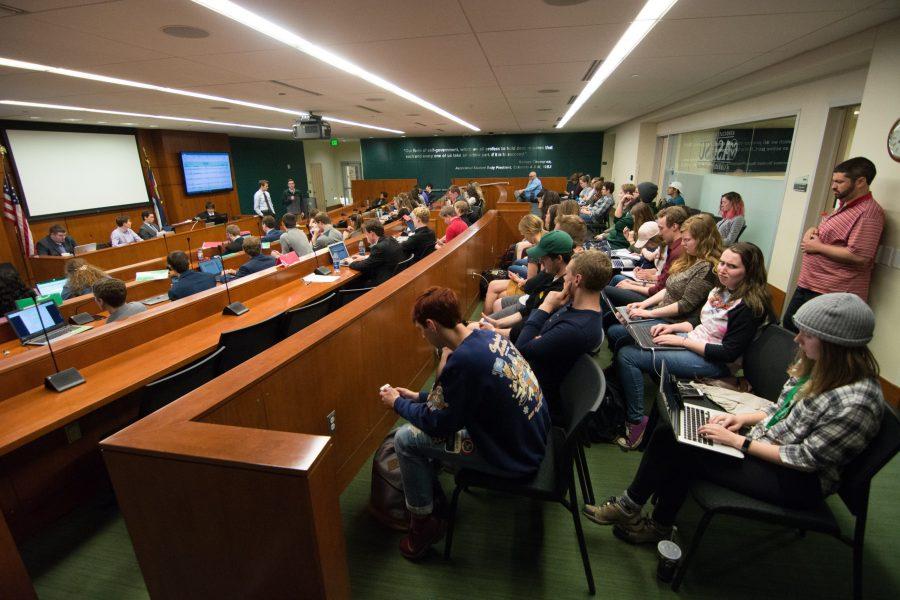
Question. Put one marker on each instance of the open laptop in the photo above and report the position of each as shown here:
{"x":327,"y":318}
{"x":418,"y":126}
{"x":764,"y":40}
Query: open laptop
{"x":288,"y":259}
{"x":622,"y":311}
{"x":51,"y":286}
{"x":687,"y":418}
{"x":640,"y":333}
{"x":83,"y":248}
{"x":339,"y":253}
{"x":213,"y":266}
{"x":26,"y":323}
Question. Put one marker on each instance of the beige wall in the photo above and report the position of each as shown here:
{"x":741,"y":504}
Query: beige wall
{"x":321,"y":151}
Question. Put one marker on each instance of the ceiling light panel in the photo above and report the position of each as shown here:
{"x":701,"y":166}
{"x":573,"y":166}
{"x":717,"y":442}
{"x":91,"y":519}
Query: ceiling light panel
{"x":250,"y":19}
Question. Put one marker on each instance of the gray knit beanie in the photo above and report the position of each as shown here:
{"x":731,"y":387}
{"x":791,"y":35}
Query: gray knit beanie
{"x":840,"y":318}
{"x":647,"y":191}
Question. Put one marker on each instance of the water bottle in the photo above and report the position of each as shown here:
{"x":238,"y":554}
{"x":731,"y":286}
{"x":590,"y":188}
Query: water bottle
{"x":362,"y":248}
{"x":337,"y":266}
{"x":199,"y":255}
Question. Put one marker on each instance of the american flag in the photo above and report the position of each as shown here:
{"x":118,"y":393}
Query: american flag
{"x":12,"y":211}
{"x":154,"y":194}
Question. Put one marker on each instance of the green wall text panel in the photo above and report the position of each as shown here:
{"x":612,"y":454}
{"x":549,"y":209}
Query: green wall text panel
{"x":256,"y":158}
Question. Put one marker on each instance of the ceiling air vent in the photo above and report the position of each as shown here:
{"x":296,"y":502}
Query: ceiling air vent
{"x":421,"y":124}
{"x":368,"y":109}
{"x":591,"y":70}
{"x":294,"y":87}
{"x":571,"y":100}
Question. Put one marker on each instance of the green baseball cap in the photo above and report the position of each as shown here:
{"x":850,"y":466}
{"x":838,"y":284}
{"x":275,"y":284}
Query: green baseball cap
{"x":554,"y":242}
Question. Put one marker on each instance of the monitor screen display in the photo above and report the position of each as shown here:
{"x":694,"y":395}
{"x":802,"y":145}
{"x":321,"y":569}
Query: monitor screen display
{"x":54,"y":286}
{"x":206,"y":172}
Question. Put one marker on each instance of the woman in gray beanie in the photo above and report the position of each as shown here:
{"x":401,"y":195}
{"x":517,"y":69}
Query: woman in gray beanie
{"x":795,"y":450}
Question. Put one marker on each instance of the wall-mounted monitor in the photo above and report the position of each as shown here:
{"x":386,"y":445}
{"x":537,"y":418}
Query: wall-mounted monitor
{"x":206,"y":172}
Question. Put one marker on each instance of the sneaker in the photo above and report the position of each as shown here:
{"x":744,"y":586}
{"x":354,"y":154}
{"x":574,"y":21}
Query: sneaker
{"x":423,"y":533}
{"x":611,"y":512}
{"x":642,"y":531}
{"x":634,"y":434}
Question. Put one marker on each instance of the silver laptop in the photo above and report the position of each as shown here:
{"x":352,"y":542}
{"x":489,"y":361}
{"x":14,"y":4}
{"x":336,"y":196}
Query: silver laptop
{"x":155,"y":299}
{"x":623,"y":311}
{"x":687,"y":418}
{"x":640,"y":333}
{"x":29,"y":325}
{"x":83,"y":248}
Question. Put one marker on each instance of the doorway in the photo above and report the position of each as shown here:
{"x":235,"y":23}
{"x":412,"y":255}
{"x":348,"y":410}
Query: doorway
{"x":350,"y":171}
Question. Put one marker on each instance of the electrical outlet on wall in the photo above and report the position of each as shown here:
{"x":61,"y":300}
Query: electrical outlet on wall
{"x":330,"y":419}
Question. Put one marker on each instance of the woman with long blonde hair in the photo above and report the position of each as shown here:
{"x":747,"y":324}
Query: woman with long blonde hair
{"x":80,"y":278}
{"x":522,"y":269}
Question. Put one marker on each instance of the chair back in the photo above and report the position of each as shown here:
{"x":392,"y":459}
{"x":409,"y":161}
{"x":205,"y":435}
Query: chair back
{"x":767,"y":359}
{"x":580,"y":394}
{"x":403,"y":264}
{"x":347,"y":296}
{"x":163,"y":391}
{"x":298,"y":318}
{"x":740,"y":233}
{"x":247,"y":342}
{"x":858,"y":473}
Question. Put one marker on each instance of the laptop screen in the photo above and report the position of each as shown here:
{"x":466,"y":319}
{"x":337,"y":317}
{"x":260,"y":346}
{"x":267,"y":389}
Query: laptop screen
{"x":213,"y":266}
{"x":26,"y":322}
{"x":53,"y":286}
{"x":338,"y":251}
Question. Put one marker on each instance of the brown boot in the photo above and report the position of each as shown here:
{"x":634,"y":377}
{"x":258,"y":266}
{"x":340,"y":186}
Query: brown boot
{"x":424,"y":531}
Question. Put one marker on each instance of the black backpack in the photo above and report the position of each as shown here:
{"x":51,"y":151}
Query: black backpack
{"x":608,"y":423}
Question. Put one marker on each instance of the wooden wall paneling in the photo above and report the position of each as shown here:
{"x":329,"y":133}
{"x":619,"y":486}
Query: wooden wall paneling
{"x":366,"y":191}
{"x":778,"y":298}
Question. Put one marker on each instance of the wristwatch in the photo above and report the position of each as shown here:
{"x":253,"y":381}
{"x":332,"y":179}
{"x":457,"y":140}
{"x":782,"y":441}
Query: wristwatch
{"x":745,"y":447}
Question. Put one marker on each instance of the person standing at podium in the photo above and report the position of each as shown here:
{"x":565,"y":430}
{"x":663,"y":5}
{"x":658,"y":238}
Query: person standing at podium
{"x":262,"y":200}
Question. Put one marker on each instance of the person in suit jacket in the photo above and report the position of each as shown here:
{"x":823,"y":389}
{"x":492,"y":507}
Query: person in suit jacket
{"x":271,"y":233}
{"x":57,"y":243}
{"x":235,"y":239}
{"x":149,"y":229}
{"x":384,"y":254}
{"x":421,"y":241}
{"x":257,"y":262}
{"x":189,"y":281}
{"x":210,"y":215}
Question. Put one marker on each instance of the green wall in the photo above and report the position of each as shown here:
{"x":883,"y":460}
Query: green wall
{"x":439,"y":159}
{"x":275,"y":160}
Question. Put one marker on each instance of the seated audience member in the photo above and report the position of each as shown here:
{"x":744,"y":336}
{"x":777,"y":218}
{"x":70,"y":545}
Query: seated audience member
{"x":235,"y":239}
{"x":80,"y":278}
{"x":547,"y":199}
{"x":271,"y":233}
{"x":415,"y":194}
{"x":475,"y":200}
{"x":640,"y":213}
{"x":380,"y":201}
{"x":427,"y":194}
{"x":597,"y":212}
{"x":576,"y":229}
{"x":293,"y":239}
{"x":420,"y":242}
{"x":796,"y":450}
{"x":567,"y":324}
{"x":354,"y":225}
{"x":455,"y":225}
{"x":623,"y":216}
{"x":730,"y":319}
{"x":532,"y":229}
{"x":573,"y":186}
{"x":647,"y":191}
{"x":149,"y":229}
{"x":11,"y":289}
{"x":649,"y":246}
{"x":209,"y":214}
{"x":550,"y":217}
{"x":188,"y":281}
{"x":110,"y":294}
{"x":731,"y":207}
{"x":554,"y":252}
{"x":405,"y":215}
{"x":669,"y":220}
{"x":530,"y":192}
{"x":384,"y":254}
{"x":486,"y":401}
{"x":586,"y":190}
{"x":567,"y":207}
{"x":673,"y":194}
{"x":464,"y":211}
{"x":123,"y":233}
{"x":453,"y":195}
{"x":57,"y":243}
{"x":258,"y":261}
{"x":689,"y":280}
{"x":323,"y":232}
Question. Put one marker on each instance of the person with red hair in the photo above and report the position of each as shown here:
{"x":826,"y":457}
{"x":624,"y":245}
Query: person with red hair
{"x":731,"y":207}
{"x":485,"y":412}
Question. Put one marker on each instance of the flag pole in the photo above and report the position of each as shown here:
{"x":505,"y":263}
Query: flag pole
{"x":26,"y":259}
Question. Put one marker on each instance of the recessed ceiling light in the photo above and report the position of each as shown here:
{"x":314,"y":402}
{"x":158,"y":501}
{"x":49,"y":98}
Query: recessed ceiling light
{"x":185,"y":31}
{"x":34,"y":118}
{"x":544,"y":109}
{"x":651,"y":14}
{"x":220,"y":107}
{"x":273,"y":30}
{"x":855,"y":112}
{"x":374,"y":99}
{"x":72,"y":120}
{"x":101,"y":122}
{"x":414,"y":115}
{"x":282,"y":93}
{"x":127,"y":123}
{"x":547,"y":91}
{"x":635,"y":76}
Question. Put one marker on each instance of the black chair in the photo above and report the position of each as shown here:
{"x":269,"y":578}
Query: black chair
{"x":740,"y":233}
{"x":163,"y":391}
{"x":854,"y":492}
{"x":554,"y":481}
{"x":403,"y":264}
{"x":298,"y":318}
{"x":347,"y":296}
{"x":247,"y":342}
{"x":767,"y":359}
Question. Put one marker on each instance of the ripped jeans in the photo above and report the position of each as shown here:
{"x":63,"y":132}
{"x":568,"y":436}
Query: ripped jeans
{"x":420,"y":455}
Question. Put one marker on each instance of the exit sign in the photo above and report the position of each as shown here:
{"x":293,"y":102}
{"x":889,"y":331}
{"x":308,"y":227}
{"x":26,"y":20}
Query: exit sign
{"x":334,"y":141}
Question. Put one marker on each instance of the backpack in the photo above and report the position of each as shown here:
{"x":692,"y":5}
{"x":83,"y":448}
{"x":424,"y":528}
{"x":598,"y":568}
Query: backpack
{"x":488,"y":276}
{"x":508,"y":257}
{"x":387,"y":502}
{"x":608,"y":423}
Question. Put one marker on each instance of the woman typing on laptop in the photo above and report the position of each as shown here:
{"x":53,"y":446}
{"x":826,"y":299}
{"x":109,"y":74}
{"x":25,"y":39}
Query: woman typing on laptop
{"x":729,"y":320}
{"x":828,"y":412}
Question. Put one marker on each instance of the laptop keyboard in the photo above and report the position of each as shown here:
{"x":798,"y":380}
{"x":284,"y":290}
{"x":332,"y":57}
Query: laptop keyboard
{"x":41,"y":340}
{"x":642,"y":335}
{"x":693,"y":419}
{"x":155,"y":299}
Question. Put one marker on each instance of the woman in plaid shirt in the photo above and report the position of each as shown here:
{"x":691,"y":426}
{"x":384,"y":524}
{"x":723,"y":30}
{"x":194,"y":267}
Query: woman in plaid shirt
{"x":828,"y":411}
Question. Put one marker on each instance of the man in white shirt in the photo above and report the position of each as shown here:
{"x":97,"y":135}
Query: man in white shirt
{"x":123,"y":233}
{"x":262,"y":200}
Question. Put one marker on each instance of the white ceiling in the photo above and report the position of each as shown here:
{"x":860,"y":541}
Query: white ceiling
{"x":485,"y":61}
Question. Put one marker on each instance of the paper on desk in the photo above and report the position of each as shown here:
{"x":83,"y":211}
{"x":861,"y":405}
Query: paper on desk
{"x":208,"y":245}
{"x":151,"y":275}
{"x":624,"y":253}
{"x":313,"y":278}
{"x":629,"y":274}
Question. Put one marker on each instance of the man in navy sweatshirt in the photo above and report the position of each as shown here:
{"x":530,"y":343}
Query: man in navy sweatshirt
{"x":567,"y":324}
{"x":485,"y":412}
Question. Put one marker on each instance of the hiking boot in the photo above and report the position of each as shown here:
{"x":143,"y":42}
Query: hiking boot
{"x":423,"y":533}
{"x":642,"y":531}
{"x":611,"y":512}
{"x":634,"y":434}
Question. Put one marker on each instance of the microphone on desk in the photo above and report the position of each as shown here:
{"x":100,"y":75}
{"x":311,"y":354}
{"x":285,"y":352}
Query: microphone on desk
{"x":190,"y":263}
{"x":319,"y":270}
{"x":60,"y":381}
{"x":233,"y":309}
{"x":196,"y":220}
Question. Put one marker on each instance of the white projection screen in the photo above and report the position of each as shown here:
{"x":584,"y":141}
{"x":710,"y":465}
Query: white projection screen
{"x":66,"y":172}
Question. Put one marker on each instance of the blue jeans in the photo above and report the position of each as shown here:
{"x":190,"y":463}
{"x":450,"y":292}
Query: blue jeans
{"x":633,"y":361}
{"x":519,"y":267}
{"x":419,"y":455}
{"x":616,"y":279}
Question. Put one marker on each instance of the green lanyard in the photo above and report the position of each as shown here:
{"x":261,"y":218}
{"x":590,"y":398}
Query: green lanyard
{"x":785,"y":408}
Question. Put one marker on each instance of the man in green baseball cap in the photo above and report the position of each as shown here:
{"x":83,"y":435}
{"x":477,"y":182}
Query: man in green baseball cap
{"x":553,"y":252}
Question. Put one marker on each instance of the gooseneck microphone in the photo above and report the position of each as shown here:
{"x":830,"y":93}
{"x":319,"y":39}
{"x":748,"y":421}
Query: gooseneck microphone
{"x":60,"y":381}
{"x":234,"y":308}
{"x":319,"y":270}
{"x":190,"y":262}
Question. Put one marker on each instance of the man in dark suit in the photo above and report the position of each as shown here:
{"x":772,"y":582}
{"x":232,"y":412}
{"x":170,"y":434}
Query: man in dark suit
{"x":210,"y":215}
{"x":421,"y":241}
{"x":149,"y":229}
{"x":235,"y":240}
{"x":189,"y":281}
{"x":57,"y":243}
{"x":293,"y":200}
{"x":271,"y":233}
{"x":257,"y":262}
{"x":384,"y":254}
